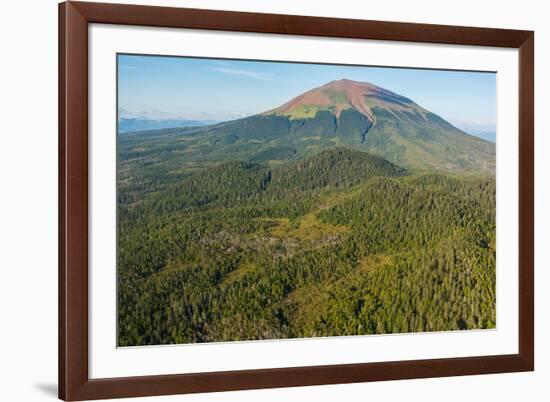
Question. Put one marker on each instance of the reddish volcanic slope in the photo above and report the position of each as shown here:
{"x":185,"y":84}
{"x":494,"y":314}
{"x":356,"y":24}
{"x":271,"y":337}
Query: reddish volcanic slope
{"x":344,"y":94}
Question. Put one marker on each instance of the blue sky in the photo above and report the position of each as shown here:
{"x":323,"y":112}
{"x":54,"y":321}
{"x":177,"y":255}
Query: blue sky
{"x":215,"y":89}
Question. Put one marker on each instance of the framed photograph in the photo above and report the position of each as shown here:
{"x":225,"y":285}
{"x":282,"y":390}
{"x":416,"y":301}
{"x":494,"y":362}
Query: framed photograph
{"x":260,"y":200}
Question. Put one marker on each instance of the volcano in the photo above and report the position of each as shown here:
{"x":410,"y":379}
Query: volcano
{"x":347,"y":113}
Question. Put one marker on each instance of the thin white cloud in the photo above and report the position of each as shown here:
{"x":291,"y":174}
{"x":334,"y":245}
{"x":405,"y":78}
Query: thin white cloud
{"x":239,"y":115}
{"x":244,"y":73}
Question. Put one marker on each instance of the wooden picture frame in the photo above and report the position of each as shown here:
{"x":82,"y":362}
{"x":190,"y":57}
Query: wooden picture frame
{"x":74,"y":381}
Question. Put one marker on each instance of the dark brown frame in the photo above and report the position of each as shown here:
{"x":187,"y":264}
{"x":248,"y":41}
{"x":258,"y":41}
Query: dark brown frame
{"x":74,"y":17}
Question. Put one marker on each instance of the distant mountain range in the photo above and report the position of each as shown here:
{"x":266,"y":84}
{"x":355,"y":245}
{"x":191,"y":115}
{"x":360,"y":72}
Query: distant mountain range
{"x":347,"y":113}
{"x":131,"y":124}
{"x":486,"y":131}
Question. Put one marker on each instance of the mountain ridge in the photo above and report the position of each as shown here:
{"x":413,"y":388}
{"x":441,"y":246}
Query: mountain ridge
{"x":135,"y":124}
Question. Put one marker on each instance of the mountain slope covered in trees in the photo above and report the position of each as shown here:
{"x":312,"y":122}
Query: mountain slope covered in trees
{"x":349,"y":210}
{"x":341,"y":242}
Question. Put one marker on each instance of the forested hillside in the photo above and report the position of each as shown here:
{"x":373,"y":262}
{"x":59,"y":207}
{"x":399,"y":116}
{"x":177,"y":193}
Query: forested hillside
{"x":279,"y":243}
{"x":348,"y":210}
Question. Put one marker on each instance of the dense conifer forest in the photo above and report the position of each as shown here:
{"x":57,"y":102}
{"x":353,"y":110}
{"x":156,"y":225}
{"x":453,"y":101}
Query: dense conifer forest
{"x":285,"y":243}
